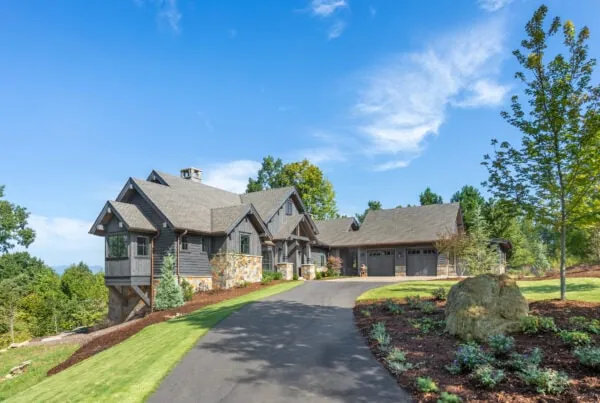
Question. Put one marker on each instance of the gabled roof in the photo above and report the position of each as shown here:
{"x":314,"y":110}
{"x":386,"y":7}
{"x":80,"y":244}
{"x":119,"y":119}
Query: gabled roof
{"x":287,"y":226}
{"x":329,"y":230}
{"x":402,"y":226}
{"x":267,"y":202}
{"x":224,"y":219}
{"x":129,"y":214}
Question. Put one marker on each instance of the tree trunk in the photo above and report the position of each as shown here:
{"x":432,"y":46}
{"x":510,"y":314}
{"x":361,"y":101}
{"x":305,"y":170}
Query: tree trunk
{"x":563,"y":256}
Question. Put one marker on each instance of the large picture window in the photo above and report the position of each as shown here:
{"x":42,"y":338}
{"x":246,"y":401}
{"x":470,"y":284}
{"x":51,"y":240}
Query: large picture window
{"x":142,"y":246}
{"x":245,"y":244}
{"x":116,"y":246}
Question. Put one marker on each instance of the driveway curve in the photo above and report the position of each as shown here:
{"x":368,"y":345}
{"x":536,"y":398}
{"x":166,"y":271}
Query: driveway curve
{"x":299,"y":346}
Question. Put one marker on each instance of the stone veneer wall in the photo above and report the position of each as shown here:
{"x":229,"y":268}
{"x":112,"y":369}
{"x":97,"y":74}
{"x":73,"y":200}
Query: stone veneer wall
{"x":286,"y":269}
{"x":199,"y":283}
{"x":308,"y":271}
{"x":230,"y":269}
{"x":400,"y":271}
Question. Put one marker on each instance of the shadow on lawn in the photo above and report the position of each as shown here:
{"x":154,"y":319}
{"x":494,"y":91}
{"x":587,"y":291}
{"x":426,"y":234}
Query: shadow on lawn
{"x":282,"y":349}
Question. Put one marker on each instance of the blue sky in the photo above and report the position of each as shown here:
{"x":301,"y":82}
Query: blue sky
{"x":388,"y":97}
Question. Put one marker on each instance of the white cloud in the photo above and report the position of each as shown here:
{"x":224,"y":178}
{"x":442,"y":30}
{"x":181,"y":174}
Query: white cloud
{"x":406,"y":99}
{"x":62,"y":240}
{"x":324,"y":8}
{"x":167,"y":11}
{"x":232,"y":176}
{"x":336,"y":30}
{"x":493,"y":5}
{"x":391,"y":165}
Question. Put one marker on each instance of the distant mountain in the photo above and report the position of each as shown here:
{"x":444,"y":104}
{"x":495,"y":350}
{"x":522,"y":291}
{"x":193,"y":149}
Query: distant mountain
{"x":62,"y":267}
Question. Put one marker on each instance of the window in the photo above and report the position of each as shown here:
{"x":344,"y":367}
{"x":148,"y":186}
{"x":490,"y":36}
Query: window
{"x":245,"y":244}
{"x":116,"y":246}
{"x":322,"y":260}
{"x":267,"y":262}
{"x":288,"y":207}
{"x":205,"y":244}
{"x":184,"y":243}
{"x":142,"y":246}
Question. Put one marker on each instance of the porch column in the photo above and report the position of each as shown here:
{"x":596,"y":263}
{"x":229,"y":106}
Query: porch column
{"x":284,"y":258}
{"x":308,"y":253}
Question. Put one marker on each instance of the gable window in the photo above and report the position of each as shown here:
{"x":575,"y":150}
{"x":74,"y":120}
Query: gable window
{"x":142,"y":246}
{"x":245,"y":244}
{"x":184,"y":243}
{"x":288,"y":207}
{"x":116,"y":246}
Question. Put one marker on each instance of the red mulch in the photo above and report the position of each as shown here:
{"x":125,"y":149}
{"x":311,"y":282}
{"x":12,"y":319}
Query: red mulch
{"x":122,"y":333}
{"x":430,"y":353}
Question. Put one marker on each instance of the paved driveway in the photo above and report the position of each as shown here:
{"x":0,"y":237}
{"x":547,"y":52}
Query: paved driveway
{"x":299,"y":346}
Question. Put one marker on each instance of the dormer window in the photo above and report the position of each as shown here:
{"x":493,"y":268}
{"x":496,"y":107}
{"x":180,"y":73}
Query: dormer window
{"x":288,"y":208}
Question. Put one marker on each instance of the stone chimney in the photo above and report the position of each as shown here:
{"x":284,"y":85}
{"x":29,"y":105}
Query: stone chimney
{"x":191,"y":173}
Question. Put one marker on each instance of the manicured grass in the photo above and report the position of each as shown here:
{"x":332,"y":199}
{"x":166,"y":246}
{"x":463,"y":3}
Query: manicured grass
{"x":42,"y":359}
{"x":130,"y":371}
{"x":580,"y":289}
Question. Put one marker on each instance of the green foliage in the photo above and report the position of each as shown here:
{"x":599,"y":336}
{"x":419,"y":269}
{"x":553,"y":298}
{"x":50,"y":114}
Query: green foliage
{"x":446,"y":397}
{"x":168,"y":292}
{"x":414,"y":302}
{"x":295,"y":277}
{"x":14,"y":228}
{"x":468,"y":357}
{"x":588,"y":356}
{"x":585,"y":324}
{"x":440,"y":294}
{"x":308,"y":179}
{"x":426,"y":325}
{"x":535,"y":324}
{"x":319,"y":275}
{"x":373,"y":205}
{"x":366,"y":313}
{"x":380,"y":335}
{"x":487,"y":376}
{"x":11,"y":290}
{"x":470,"y":199}
{"x":243,"y":284}
{"x":501,"y":345}
{"x":553,"y":175}
{"x":429,"y":197}
{"x":545,"y":381}
{"x":428,"y":308}
{"x":334,"y":266}
{"x":396,"y":361}
{"x":518,"y":362}
{"x":393,"y":307}
{"x":477,"y":256}
{"x":187,"y":289}
{"x":426,"y":385}
{"x":269,"y":276}
{"x":575,"y":338}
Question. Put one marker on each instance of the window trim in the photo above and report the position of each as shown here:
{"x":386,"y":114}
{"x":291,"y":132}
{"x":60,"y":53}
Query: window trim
{"x":184,"y":241}
{"x":125,"y":237}
{"x":242,"y":236}
{"x":146,"y":244}
{"x":288,"y":208}
{"x":269,"y":261}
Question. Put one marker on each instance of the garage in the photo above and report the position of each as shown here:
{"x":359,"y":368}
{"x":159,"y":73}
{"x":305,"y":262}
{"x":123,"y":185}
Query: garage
{"x":380,"y":262}
{"x":421,"y":262}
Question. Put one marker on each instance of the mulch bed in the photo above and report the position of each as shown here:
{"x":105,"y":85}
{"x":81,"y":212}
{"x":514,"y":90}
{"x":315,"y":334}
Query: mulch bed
{"x":432,"y":352}
{"x":123,"y":332}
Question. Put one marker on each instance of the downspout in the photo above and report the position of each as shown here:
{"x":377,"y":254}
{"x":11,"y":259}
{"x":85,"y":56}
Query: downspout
{"x":184,"y":233}
{"x":152,"y":270}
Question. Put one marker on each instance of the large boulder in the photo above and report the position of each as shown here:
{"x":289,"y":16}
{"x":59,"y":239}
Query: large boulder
{"x":483,"y":306}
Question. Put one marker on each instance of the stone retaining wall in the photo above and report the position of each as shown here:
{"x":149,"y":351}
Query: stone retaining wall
{"x":308,"y":271}
{"x":287,"y":270}
{"x":230,"y":269}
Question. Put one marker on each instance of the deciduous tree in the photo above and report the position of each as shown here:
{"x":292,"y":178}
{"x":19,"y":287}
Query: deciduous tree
{"x":14,"y":229}
{"x":429,"y":197}
{"x":373,"y":205}
{"x":469,"y":198}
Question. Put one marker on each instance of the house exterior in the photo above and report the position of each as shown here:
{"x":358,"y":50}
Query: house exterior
{"x":220,"y":238}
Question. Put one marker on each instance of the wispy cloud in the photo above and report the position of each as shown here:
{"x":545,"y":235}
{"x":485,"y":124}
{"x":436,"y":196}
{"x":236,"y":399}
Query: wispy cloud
{"x":407,"y":98}
{"x":493,"y":5}
{"x":62,"y":240}
{"x":325,"y":8}
{"x":336,"y":30}
{"x":167,"y":12}
{"x":326,"y":148}
{"x":232,"y":175}
{"x":391,"y":165}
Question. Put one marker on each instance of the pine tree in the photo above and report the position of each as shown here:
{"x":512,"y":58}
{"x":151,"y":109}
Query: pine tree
{"x":168,"y":293}
{"x":478,"y":257}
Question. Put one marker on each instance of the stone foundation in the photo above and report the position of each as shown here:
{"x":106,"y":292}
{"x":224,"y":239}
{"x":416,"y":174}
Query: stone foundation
{"x":308,"y":271}
{"x":286,"y":269}
{"x":400,"y":271}
{"x":199,"y":283}
{"x":230,"y":269}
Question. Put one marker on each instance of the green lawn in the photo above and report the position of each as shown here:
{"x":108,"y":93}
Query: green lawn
{"x":42,"y":359}
{"x":581,"y":289}
{"x":130,"y":371}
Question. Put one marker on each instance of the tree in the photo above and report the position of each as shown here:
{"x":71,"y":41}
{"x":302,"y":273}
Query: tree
{"x":11,"y":290}
{"x":554,"y":174}
{"x":469,"y":198}
{"x":87,"y":296}
{"x":13,"y":225}
{"x":308,"y":179}
{"x":428,"y":197}
{"x":168,"y":292}
{"x":477,"y":256}
{"x":373,"y":205}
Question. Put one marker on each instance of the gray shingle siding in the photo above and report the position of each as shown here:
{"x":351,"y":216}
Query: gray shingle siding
{"x":233,"y":240}
{"x":280,"y":217}
{"x":316,"y":254}
{"x":194,"y":261}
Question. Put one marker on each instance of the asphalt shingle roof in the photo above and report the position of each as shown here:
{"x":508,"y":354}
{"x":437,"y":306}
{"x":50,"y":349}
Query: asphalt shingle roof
{"x":224,"y":217}
{"x":132,"y":216}
{"x":330,"y":230}
{"x":267,"y":202}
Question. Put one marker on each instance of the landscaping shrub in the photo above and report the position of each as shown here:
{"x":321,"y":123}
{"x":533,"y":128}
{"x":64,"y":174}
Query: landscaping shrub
{"x":575,"y":338}
{"x":277,"y":275}
{"x":501,"y":345}
{"x":584,"y":324}
{"x":269,"y":276}
{"x":588,"y":356}
{"x":295,"y":277}
{"x":440,"y":294}
{"x":366,"y":312}
{"x":414,"y":302}
{"x":426,"y":325}
{"x":399,"y":367}
{"x":319,"y":275}
{"x":428,"y":307}
{"x":426,"y":385}
{"x":519,"y":362}
{"x":168,"y":292}
{"x":446,"y":397}
{"x":535,"y":324}
{"x":545,"y":381}
{"x":396,"y":360}
{"x":487,"y":376}
{"x":468,"y":357}
{"x":380,"y":335}
{"x":243,"y":284}
{"x":187,"y":289}
{"x":334,"y":266}
{"x":393,"y":307}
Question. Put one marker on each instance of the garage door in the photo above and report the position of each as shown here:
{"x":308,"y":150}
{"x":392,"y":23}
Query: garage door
{"x":380,"y":262}
{"x":421,"y":262}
